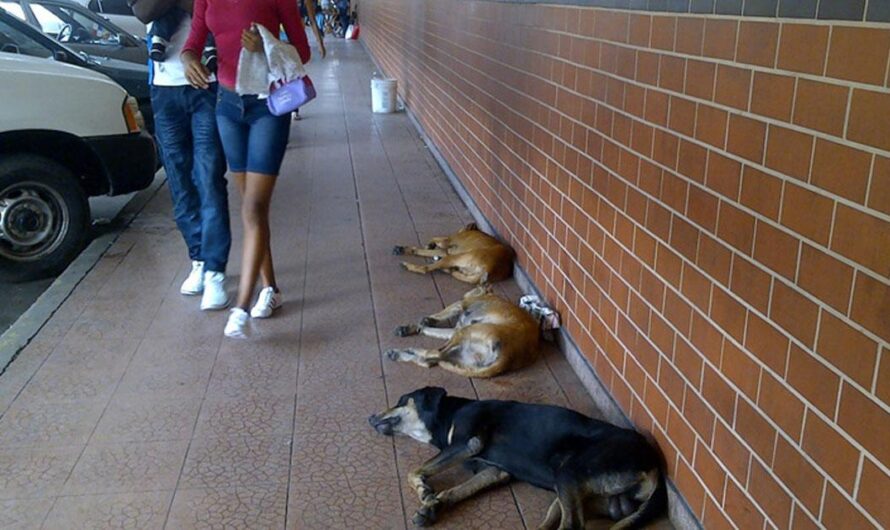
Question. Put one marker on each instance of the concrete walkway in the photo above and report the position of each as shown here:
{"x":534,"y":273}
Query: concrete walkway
{"x":130,"y":410}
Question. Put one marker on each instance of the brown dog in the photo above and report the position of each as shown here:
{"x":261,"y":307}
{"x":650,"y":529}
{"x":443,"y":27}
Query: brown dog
{"x":469,"y":255}
{"x":486,"y":336}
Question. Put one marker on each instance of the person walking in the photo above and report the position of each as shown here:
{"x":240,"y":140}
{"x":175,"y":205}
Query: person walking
{"x":254,"y":140}
{"x":185,"y":129}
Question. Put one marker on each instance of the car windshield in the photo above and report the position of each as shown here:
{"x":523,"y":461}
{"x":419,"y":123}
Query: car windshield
{"x":15,"y":41}
{"x":65,"y":24}
{"x":13,"y":8}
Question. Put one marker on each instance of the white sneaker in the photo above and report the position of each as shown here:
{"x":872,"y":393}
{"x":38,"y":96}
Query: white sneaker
{"x":266,"y":302}
{"x":236,"y":327}
{"x":215,"y":296}
{"x":194,"y":284}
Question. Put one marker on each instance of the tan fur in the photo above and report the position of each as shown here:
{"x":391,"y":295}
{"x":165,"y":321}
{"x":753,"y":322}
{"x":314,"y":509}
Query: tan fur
{"x":490,"y":336}
{"x":470,"y":256}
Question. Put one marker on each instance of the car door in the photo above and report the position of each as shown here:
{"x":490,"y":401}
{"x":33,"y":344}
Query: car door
{"x":86,"y":31}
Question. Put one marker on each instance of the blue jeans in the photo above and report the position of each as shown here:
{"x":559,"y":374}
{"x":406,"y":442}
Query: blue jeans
{"x":185,"y":128}
{"x":253,"y":138}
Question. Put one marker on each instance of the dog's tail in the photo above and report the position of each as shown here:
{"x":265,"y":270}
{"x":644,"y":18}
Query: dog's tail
{"x":653,"y":506}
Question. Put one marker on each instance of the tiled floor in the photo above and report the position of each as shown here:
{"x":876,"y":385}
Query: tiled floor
{"x":129,"y":410}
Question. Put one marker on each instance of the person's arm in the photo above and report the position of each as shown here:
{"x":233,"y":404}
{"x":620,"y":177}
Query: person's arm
{"x":197,"y":74}
{"x":150,"y":10}
{"x":310,"y":9}
{"x":293,"y":26}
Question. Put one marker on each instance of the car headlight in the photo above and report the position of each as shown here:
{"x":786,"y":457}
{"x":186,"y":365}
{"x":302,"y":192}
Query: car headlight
{"x":132,"y":115}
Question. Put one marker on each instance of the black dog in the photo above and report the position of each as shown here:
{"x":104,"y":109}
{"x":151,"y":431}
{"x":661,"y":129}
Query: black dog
{"x":593,"y":466}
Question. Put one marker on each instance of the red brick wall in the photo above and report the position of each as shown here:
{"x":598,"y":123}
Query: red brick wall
{"x":706,"y":201}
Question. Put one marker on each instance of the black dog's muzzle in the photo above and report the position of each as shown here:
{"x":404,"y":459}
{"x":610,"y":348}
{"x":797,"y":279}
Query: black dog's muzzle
{"x":384,"y":425}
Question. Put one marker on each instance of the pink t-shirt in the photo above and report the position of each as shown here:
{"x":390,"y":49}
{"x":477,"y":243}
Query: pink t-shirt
{"x":226,"y":19}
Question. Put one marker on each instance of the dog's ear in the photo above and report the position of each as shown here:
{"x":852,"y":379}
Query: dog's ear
{"x":431,"y":397}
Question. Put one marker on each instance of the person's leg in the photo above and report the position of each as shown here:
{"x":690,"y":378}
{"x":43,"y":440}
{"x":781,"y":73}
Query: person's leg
{"x":267,"y":272}
{"x":209,"y":176}
{"x":173,"y":134}
{"x":255,"y":218}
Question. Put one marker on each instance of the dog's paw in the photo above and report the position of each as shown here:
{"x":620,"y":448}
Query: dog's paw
{"x":426,"y":515}
{"x":398,"y":250}
{"x":392,"y":355}
{"x":406,"y":331}
{"x":431,"y":246}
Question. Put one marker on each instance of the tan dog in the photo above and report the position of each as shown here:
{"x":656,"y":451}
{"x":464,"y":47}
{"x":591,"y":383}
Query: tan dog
{"x":469,"y":255}
{"x":486,"y":336}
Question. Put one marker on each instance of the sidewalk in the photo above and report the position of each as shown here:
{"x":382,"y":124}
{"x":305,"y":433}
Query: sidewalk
{"x":130,"y":410}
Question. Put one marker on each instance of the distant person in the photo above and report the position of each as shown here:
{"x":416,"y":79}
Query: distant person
{"x":185,"y":129}
{"x":254,"y":140}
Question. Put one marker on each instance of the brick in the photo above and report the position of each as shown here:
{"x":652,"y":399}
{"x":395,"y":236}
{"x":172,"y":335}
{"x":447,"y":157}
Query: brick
{"x":696,"y":287}
{"x":670,"y":381}
{"x":640,"y":27}
{"x":729,"y":449}
{"x":720,"y":38}
{"x":817,"y":384}
{"x":647,"y":67}
{"x":678,"y":312}
{"x":700,"y":77}
{"x":665,"y":149}
{"x":691,"y":487}
{"x":740,"y":509}
{"x":803,"y":48}
{"x":863,"y":238}
{"x":807,"y":213}
{"x":803,"y":521}
{"x":702,"y":208}
{"x":789,"y":152}
{"x":873,"y":488}
{"x":714,"y":258}
{"x":755,"y":430}
{"x":719,"y":395}
{"x":879,"y":194}
{"x":773,"y":95}
{"x":761,"y":192}
{"x":798,"y":475}
{"x":740,"y":368}
{"x":825,"y":277}
{"x":733,"y":86}
{"x":728,"y":314}
{"x":859,"y":54}
{"x":765,"y":489}
{"x":710,"y":126}
{"x":684,"y":238}
{"x":794,"y":313}
{"x":871,"y":305}
{"x":699,"y":415}
{"x":724,"y":175}
{"x":708,"y":468}
{"x":831,"y":451}
{"x":681,"y":433}
{"x":682,"y":116}
{"x":664,"y":29}
{"x":776,"y":249}
{"x":750,"y":283}
{"x":706,"y":338}
{"x":668,"y":265}
{"x":766,"y":343}
{"x":692,"y":161}
{"x":823,"y":107}
{"x":865,"y":421}
{"x":690,"y":35}
{"x":839,"y":512}
{"x":757,"y":43}
{"x":736,"y":227}
{"x":847,"y":349}
{"x":688,"y":362}
{"x":867,"y":122}
{"x":781,"y":405}
{"x":746,"y":138}
{"x":713,"y":517}
{"x":841,"y":170}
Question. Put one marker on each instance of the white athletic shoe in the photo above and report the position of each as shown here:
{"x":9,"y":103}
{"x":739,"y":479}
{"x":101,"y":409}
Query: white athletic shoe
{"x":236,"y":327}
{"x":215,"y":296}
{"x":194,"y":284}
{"x":268,"y":301}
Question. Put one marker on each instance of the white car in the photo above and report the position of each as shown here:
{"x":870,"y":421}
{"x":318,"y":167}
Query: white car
{"x":66,"y":133}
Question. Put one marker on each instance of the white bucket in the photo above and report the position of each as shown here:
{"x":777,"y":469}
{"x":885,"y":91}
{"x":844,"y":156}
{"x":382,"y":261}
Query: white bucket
{"x":383,"y":95}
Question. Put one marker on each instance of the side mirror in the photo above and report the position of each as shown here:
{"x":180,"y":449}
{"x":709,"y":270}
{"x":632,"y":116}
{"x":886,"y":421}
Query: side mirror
{"x":10,"y":48}
{"x":60,"y":56}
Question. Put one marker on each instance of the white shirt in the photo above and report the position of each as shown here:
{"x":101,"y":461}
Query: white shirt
{"x":171,"y":72}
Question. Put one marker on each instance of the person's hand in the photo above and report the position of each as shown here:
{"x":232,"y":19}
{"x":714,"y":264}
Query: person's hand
{"x":251,"y":40}
{"x":322,"y":49}
{"x":195,"y":72}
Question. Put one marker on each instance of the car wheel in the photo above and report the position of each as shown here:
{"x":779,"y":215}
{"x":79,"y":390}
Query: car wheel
{"x":44,"y":218}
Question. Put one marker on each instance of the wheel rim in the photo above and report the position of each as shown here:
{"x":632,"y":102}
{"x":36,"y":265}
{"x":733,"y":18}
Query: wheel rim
{"x":33,"y":221}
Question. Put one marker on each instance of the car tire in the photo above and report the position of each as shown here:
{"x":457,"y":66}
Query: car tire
{"x":44,"y":218}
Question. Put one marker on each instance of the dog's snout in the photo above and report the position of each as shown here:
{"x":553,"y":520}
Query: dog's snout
{"x":384,"y":425}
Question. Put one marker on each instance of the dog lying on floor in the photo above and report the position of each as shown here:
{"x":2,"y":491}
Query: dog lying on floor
{"x":469,"y":255}
{"x":486,"y":335}
{"x":594,"y":467}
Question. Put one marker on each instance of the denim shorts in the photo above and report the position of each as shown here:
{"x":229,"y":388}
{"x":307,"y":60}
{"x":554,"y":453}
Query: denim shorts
{"x":253,"y":138}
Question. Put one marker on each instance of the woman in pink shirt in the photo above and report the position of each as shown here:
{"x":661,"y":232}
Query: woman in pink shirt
{"x":253,"y":139}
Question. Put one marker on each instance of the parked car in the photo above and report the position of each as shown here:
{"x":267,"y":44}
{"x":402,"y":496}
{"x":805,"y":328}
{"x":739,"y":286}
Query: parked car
{"x":66,"y":133}
{"x":79,"y":28}
{"x":119,"y":12}
{"x":18,"y":37}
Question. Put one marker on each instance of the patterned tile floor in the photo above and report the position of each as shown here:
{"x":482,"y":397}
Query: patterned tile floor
{"x":130,"y":410}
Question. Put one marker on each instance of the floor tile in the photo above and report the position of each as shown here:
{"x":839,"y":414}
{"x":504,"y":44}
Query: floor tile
{"x":127,"y":468}
{"x":35,"y":473}
{"x":220,"y":462}
{"x":137,"y":419}
{"x":251,"y":415}
{"x":30,"y":423}
{"x":24,"y":514}
{"x":253,"y":507}
{"x":129,"y":511}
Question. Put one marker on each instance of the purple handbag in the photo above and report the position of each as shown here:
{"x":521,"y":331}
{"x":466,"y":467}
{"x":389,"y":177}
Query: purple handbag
{"x":288,"y":97}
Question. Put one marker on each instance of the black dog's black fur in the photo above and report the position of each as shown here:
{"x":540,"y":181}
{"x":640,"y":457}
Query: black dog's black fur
{"x":550,"y":447}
